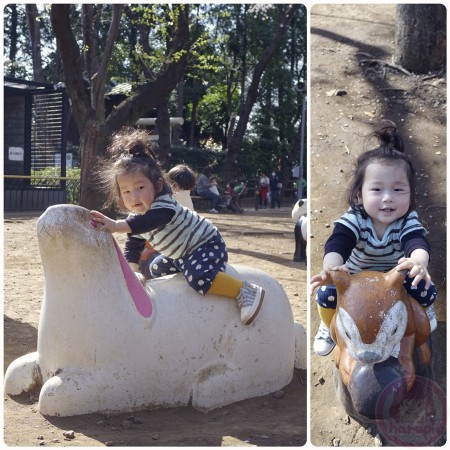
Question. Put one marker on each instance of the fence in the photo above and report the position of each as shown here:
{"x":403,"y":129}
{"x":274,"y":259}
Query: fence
{"x":25,"y":193}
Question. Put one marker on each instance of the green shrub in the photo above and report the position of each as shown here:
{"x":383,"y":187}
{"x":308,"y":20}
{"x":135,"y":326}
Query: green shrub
{"x":49,"y":177}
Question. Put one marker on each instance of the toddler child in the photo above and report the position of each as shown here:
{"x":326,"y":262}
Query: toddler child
{"x":379,"y":231}
{"x":214,"y":188}
{"x":187,"y":242}
{"x":182,"y":179}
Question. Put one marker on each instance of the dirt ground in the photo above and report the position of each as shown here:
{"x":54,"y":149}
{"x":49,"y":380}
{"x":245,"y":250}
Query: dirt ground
{"x":345,"y":41}
{"x":263,"y":239}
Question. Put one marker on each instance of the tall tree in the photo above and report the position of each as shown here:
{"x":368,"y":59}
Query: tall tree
{"x":35,"y":38}
{"x":16,"y":41}
{"x":420,"y":37}
{"x":87,"y":106}
{"x":13,"y":38}
{"x":285,"y":14}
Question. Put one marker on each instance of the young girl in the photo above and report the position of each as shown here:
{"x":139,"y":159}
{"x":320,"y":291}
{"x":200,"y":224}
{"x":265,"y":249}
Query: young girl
{"x":189,"y":243}
{"x":181,"y":180}
{"x":379,"y":231}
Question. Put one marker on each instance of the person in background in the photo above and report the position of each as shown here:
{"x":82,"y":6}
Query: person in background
{"x":214,"y":186}
{"x":203,"y":189}
{"x":182,"y":179}
{"x":264,"y":184}
{"x":275,"y":189}
{"x":239,"y":187}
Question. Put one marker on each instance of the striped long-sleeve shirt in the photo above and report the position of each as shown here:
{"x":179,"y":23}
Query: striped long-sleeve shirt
{"x":170,"y":228}
{"x":355,"y":239}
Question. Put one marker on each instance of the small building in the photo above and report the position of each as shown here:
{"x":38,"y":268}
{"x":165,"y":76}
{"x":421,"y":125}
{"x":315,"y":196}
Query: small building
{"x":35,"y":127}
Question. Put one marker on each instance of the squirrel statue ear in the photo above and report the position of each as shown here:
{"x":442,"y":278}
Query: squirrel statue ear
{"x":395,"y":277}
{"x":340,"y":278}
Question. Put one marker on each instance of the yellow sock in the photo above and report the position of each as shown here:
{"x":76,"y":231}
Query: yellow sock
{"x":225,"y":285}
{"x":326,"y":314}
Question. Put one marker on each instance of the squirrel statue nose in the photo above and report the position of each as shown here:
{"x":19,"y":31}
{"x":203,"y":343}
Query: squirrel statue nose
{"x":369,"y":357}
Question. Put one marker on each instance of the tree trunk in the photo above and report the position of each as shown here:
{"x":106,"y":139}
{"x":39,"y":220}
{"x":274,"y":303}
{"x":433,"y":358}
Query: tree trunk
{"x":34,"y":29}
{"x":13,"y":38}
{"x":90,"y":42}
{"x":92,"y":146}
{"x":420,"y":37}
{"x":98,"y":79}
{"x":72,"y":64}
{"x":163,"y":127}
{"x":176,"y":135}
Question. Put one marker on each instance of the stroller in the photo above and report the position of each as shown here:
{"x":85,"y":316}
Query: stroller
{"x":232,"y":198}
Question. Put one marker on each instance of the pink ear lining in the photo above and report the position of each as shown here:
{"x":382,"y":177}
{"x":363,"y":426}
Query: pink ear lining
{"x":140,"y":297}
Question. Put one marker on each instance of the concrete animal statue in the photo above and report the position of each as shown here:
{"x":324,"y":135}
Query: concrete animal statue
{"x":299,"y":215}
{"x":382,"y":341}
{"x":107,"y":344}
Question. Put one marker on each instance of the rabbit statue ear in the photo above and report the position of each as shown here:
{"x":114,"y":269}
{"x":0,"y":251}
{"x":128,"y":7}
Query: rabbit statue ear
{"x":340,"y":278}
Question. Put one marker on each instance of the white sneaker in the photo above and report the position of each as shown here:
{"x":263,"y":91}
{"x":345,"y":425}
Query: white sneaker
{"x":431,"y":317}
{"x":214,"y":211}
{"x":323,"y":344}
{"x":249,"y":300}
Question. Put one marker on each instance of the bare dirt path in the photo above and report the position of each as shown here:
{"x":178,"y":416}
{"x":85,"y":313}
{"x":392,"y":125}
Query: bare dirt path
{"x":342,"y":37}
{"x":263,"y":239}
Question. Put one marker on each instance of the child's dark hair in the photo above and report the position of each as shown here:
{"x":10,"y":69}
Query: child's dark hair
{"x":389,"y":151}
{"x":130,"y":151}
{"x":181,"y":177}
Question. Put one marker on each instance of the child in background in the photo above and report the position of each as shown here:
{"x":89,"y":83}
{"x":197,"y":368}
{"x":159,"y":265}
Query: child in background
{"x":230,"y":188}
{"x":214,"y":186}
{"x":187,"y":242}
{"x":239,"y":188}
{"x":379,"y":231}
{"x":182,"y":179}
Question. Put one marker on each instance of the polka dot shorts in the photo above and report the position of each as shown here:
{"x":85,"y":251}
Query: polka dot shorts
{"x":199,"y":267}
{"x":326,"y":296}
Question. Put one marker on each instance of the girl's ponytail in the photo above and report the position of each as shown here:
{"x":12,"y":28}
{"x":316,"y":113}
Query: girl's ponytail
{"x":389,"y":137}
{"x":141,"y":151}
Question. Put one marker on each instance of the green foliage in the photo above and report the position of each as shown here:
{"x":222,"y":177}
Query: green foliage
{"x":260,"y":155}
{"x":196,"y":158}
{"x":52,"y":172}
{"x":50,"y":178}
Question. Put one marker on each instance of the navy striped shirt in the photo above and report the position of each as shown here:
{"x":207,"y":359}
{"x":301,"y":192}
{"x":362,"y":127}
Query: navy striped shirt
{"x":177,"y":237}
{"x":354,"y":237}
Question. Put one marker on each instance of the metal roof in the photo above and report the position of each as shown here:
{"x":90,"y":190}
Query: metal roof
{"x":17,"y":83}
